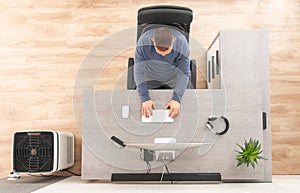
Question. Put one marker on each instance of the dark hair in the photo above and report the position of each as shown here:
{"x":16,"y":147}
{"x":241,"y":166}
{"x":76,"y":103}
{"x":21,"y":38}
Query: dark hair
{"x":163,"y":38}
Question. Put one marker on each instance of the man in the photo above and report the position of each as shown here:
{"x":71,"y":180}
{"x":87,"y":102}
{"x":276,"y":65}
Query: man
{"x":162,"y":61}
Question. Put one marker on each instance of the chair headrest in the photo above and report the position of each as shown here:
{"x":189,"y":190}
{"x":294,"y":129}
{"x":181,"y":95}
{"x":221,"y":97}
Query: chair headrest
{"x":165,"y":15}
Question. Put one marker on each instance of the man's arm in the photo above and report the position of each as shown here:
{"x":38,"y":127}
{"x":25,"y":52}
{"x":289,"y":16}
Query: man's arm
{"x":183,"y":63}
{"x":184,"y":72}
{"x":139,"y":74}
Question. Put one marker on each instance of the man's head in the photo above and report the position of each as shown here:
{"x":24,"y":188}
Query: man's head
{"x":163,"y":40}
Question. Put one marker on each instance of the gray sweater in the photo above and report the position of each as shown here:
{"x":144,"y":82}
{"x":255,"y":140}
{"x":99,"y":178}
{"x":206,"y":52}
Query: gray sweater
{"x":172,"y":69}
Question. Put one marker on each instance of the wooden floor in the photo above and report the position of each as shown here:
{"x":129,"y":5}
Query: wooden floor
{"x":43,"y":44}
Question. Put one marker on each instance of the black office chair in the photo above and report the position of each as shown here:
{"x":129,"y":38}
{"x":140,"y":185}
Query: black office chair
{"x":152,"y":17}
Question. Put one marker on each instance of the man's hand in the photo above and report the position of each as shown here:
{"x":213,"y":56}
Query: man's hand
{"x":174,"y":107}
{"x":147,"y":107}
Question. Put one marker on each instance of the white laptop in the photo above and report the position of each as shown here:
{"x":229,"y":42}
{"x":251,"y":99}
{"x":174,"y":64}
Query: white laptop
{"x":158,"y":116}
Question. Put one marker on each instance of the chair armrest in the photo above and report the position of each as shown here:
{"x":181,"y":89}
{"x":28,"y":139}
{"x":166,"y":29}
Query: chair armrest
{"x":193,"y":78}
{"x":130,"y":75}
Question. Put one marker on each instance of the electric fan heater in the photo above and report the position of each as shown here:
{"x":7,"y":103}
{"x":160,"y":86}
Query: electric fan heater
{"x":42,"y":151}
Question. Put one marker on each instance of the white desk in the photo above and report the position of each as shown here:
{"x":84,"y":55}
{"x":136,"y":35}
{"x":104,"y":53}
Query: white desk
{"x":166,"y":146}
{"x":102,"y":119}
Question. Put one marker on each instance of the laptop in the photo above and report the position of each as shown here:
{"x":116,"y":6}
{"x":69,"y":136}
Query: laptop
{"x":158,"y":116}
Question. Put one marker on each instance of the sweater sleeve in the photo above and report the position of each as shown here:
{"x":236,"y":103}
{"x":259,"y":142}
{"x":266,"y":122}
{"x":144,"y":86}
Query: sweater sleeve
{"x":183,"y":63}
{"x":139,"y":74}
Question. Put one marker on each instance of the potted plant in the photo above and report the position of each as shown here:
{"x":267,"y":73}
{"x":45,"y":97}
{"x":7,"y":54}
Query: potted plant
{"x":249,"y":153}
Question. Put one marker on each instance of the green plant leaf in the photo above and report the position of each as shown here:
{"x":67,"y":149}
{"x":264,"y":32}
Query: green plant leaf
{"x":253,"y":165}
{"x":241,"y":147}
{"x":261,"y":157}
{"x":249,"y":153}
{"x":239,"y":163}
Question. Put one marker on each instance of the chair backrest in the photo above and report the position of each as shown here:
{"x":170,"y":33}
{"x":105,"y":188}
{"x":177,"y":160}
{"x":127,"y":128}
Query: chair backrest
{"x":164,"y":15}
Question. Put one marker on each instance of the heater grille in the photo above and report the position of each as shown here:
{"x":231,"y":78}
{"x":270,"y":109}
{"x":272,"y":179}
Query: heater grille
{"x":33,"y":152}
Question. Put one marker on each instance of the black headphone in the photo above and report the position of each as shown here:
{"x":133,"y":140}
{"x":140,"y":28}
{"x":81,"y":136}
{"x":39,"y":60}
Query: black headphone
{"x":211,"y":127}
